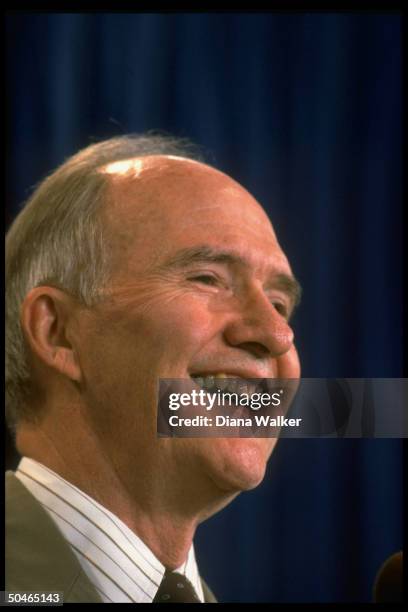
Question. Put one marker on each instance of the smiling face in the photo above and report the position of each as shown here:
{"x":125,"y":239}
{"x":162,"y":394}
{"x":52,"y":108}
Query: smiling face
{"x":200,"y":286}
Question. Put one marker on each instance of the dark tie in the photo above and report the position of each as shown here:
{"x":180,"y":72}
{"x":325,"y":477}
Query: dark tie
{"x":175,"y":588}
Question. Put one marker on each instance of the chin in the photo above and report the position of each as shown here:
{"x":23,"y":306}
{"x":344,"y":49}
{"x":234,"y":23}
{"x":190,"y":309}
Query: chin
{"x":240,"y":462}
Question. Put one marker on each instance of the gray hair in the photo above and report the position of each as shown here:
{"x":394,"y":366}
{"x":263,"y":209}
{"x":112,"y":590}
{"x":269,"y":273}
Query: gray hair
{"x":58,"y":239}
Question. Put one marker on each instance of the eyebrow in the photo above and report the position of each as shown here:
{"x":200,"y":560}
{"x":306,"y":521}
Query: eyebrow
{"x":205,"y":254}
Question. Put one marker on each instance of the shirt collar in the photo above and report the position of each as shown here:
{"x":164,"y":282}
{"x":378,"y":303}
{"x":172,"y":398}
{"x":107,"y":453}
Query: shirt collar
{"x":102,"y":527}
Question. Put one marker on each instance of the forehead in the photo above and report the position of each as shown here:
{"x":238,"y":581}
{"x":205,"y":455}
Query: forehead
{"x":159,"y":204}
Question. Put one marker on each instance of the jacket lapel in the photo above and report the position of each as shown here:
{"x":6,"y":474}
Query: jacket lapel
{"x":38,"y":558}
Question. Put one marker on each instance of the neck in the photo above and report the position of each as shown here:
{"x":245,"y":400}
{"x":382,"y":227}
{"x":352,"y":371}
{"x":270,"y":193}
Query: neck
{"x":157,"y":501}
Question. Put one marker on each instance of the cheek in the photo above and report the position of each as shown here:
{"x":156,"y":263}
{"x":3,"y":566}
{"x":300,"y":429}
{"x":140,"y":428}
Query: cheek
{"x":163,"y":336}
{"x":185,"y":325}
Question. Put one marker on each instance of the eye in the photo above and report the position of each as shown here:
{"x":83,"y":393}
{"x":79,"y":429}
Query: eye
{"x":205,"y":279}
{"x":281,"y":308}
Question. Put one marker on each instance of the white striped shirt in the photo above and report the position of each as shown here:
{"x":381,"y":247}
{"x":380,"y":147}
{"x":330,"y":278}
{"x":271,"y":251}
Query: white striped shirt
{"x":119,"y":565}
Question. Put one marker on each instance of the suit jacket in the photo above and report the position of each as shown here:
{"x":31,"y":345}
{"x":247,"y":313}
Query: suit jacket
{"x":38,"y":558}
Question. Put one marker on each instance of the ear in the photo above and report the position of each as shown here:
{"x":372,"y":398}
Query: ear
{"x":46,"y":315}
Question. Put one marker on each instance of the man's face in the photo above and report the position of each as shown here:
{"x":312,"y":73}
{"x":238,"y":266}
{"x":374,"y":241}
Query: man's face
{"x":200,"y":286}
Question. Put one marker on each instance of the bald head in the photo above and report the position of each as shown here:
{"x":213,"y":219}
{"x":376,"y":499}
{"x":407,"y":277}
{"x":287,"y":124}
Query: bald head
{"x":171,"y":180}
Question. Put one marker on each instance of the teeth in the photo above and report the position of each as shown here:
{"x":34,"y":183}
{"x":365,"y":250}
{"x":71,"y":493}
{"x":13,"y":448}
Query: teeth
{"x":199,"y":380}
{"x":208,"y":382}
{"x":223,"y":382}
{"x":243,"y":387}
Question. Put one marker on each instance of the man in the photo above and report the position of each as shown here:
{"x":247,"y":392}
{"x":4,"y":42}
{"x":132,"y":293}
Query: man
{"x":131,"y":263}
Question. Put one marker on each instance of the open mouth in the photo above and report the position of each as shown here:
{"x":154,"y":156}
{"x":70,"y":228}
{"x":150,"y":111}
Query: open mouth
{"x":228,"y":383}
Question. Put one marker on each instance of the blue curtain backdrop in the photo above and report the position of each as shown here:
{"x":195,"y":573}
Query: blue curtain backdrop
{"x":305,"y":111}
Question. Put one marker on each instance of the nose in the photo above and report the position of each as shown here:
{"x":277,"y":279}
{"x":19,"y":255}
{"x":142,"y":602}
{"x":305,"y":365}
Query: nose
{"x":258,"y":328}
